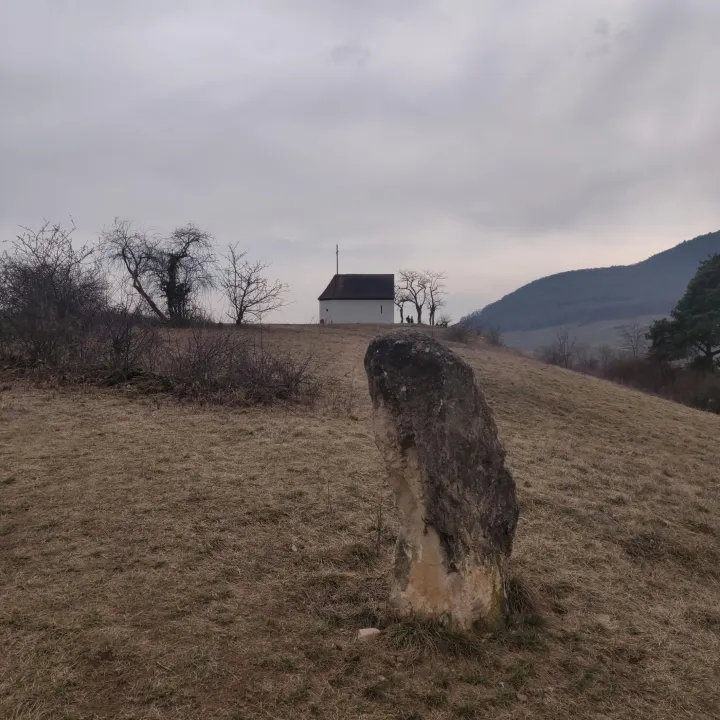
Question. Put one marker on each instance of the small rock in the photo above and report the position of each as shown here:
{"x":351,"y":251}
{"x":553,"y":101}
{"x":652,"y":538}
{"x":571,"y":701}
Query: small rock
{"x":367,"y":633}
{"x":521,"y":697}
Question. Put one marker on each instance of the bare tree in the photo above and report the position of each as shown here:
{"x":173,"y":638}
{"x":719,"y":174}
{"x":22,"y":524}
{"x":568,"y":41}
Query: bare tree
{"x":444,"y":321}
{"x":435,"y":284}
{"x":585,"y":358}
{"x":136,"y":253}
{"x":182,"y":268}
{"x":169,"y":271}
{"x":605,"y":355}
{"x":493,"y":334}
{"x":50,"y":293}
{"x":249,"y":293}
{"x":414,"y":284}
{"x":401,"y":298}
{"x":632,"y":339}
{"x":563,"y":349}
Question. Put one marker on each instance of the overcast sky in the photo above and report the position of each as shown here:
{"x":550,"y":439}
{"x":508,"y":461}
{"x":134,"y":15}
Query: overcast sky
{"x":499,"y":140}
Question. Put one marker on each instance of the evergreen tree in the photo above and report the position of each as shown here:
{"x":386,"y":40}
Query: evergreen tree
{"x":693,"y":328}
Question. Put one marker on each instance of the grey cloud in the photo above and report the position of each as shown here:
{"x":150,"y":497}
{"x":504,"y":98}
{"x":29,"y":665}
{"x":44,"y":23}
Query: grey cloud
{"x":350,"y":55}
{"x":602,"y":27}
{"x":427,"y":134}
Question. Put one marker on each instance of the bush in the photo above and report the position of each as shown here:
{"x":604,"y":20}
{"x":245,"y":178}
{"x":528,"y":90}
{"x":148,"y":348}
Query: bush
{"x":462,"y":333}
{"x":493,"y":335}
{"x":50,"y":294}
{"x":697,"y":388}
{"x":584,"y":359}
{"x":56,"y":318}
{"x":688,"y":385}
{"x":223,"y":366}
{"x":548,"y":354}
{"x":641,"y":373}
{"x":692,"y":385}
{"x":459,"y":334}
{"x":127,"y":340}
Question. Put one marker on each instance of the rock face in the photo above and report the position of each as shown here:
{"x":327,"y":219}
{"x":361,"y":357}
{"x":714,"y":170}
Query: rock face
{"x":447,"y":469}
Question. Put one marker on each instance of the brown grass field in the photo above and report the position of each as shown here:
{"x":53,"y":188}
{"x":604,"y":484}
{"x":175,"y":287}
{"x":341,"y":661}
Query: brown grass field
{"x":161,"y":560}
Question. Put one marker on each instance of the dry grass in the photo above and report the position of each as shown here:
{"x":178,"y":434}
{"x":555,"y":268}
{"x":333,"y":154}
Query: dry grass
{"x":163,"y":561}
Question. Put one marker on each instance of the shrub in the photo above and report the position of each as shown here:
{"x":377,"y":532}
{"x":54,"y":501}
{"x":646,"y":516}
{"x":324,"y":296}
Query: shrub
{"x":459,"y":334}
{"x":56,"y":317}
{"x":641,"y":373}
{"x":493,"y":335}
{"x":548,"y":354}
{"x":223,"y":366}
{"x":696,"y":387}
{"x":605,"y":355}
{"x":50,"y":294}
{"x":586,"y":360}
{"x":127,"y":340}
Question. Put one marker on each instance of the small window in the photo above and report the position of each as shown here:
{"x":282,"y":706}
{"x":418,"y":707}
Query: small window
{"x":381,"y":309}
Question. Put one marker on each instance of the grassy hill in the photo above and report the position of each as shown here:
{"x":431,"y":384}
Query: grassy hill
{"x":160,"y":560}
{"x":583,"y":298}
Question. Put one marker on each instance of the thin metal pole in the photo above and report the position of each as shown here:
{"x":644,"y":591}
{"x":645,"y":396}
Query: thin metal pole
{"x":337,"y":260}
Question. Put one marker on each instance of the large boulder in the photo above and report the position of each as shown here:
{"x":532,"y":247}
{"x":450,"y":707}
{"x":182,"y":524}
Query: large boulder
{"x":446,"y":465}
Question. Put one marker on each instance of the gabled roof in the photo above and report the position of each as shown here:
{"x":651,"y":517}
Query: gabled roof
{"x":360,"y":287}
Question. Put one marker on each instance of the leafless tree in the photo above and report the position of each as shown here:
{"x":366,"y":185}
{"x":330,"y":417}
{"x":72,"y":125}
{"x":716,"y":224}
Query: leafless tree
{"x":605,"y":355}
{"x":586,"y":359}
{"x":444,"y":321}
{"x":401,"y":298}
{"x":435,"y":284}
{"x":135,"y":252}
{"x":182,"y":268}
{"x":248,"y":291}
{"x":50,"y":292}
{"x":170,"y":271}
{"x":493,"y":334}
{"x":632,"y":340}
{"x":563,"y":348}
{"x":415,"y":285}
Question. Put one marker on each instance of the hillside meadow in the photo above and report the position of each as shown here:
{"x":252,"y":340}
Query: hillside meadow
{"x":165,"y":560}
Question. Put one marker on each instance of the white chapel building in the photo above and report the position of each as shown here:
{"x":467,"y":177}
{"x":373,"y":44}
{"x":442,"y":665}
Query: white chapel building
{"x":358,"y":299}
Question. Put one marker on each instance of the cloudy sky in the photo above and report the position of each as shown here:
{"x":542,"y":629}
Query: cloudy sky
{"x":499,"y":140}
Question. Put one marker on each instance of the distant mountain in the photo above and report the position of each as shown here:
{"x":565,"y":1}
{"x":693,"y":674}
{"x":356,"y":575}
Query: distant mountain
{"x":648,"y":288}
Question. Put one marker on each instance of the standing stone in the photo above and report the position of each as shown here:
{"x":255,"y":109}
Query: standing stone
{"x":446,"y":465}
